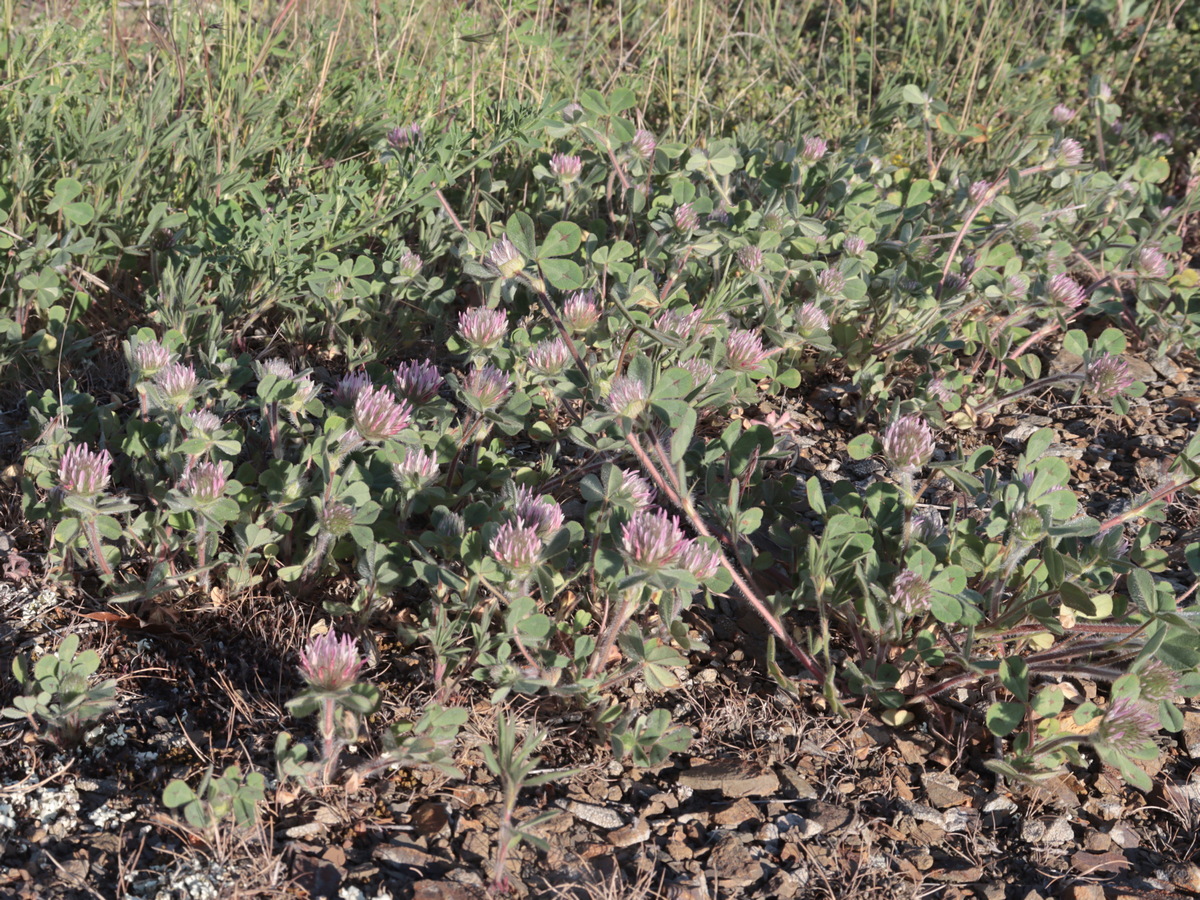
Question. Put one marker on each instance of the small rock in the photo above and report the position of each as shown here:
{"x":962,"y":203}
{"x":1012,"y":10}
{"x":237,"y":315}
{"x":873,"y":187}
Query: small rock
{"x":1084,"y":892}
{"x":446,"y":890}
{"x":732,"y":777}
{"x":405,"y":855}
{"x":1057,"y":831}
{"x":733,"y":862}
{"x":636,"y":833}
{"x":430,"y":818}
{"x":942,"y":790}
{"x":801,"y":785}
{"x":783,"y":885}
{"x":794,"y":827}
{"x":1184,"y":875}
{"x":1125,"y":836}
{"x":831,"y":817}
{"x":1096,"y":842}
{"x":739,"y":813}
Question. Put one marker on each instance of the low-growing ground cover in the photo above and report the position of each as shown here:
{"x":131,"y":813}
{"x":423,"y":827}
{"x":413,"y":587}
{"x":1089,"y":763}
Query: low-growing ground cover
{"x":541,"y":484}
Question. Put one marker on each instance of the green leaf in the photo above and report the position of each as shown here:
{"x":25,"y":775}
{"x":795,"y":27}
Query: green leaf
{"x":862,"y":446}
{"x":682,"y":437}
{"x":1003,"y":718}
{"x":563,"y":239}
{"x":563,"y":274}
{"x":177,"y":793}
{"x":913,"y":94}
{"x":520,"y":231}
{"x":1141,"y":589}
{"x":1014,"y":675}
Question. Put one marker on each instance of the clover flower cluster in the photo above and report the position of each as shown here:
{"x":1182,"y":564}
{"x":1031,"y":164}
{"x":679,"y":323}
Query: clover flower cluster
{"x":565,"y":168}
{"x":486,"y":387}
{"x":701,"y":371}
{"x":505,"y":258}
{"x":517,"y":547}
{"x":206,"y":422}
{"x":541,"y":514}
{"x":750,"y":258}
{"x":417,"y":382}
{"x":1127,"y":727}
{"x":549,"y":357}
{"x":176,"y":383}
{"x":83,"y":473}
{"x":404,"y":136}
{"x":409,"y":265}
{"x":814,"y":149}
{"x":911,"y":592}
{"x":744,"y":351}
{"x":580,"y":312}
{"x":416,"y":471}
{"x":149,"y":358}
{"x":653,"y":541}
{"x":337,"y":518}
{"x":831,"y":282}
{"x":635,"y":490}
{"x":204,"y":483}
{"x":1065,"y":290}
{"x":346,"y":391}
{"x":908,"y":443}
{"x":1109,"y":377}
{"x":643,"y":145}
{"x":854,"y":246}
{"x":1151,"y":263}
{"x":378,"y":415}
{"x":331,"y":664}
{"x":686,"y":218}
{"x":482,"y":328}
{"x":627,"y":396}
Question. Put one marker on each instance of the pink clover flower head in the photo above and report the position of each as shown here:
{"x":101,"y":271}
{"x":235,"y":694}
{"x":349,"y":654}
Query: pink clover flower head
{"x":277,"y":367}
{"x":854,"y":246}
{"x":378,"y":416}
{"x":676,"y":324}
{"x":1015,"y":287}
{"x":744,"y":351}
{"x":927,"y":526}
{"x":1069,"y":153}
{"x":811,"y":318}
{"x":701,"y":371}
{"x":1062,"y":114}
{"x":204,"y":483}
{"x":939,"y":390}
{"x":409,"y":265}
{"x":84,"y":473}
{"x":653,"y":540}
{"x":565,"y":168}
{"x":1127,"y":727}
{"x":908,"y":443}
{"x":177,"y":383}
{"x":701,"y":561}
{"x":720,"y":215}
{"x":831,"y":282}
{"x":643,"y":145}
{"x":627,"y":396}
{"x":1151,"y":263}
{"x":954,"y":284}
{"x":517,"y":547}
{"x":580,"y":312}
{"x":483,"y":328}
{"x":330,"y":663}
{"x":404,"y":136}
{"x":1158,"y":682}
{"x":1109,"y":377}
{"x":911,"y":593}
{"x":978,"y":191}
{"x":150,"y":357}
{"x":205,"y":422}
{"x":813,"y":150}
{"x":349,"y":387}
{"x":506,"y":258}
{"x":539,"y":513}
{"x":486,"y":387}
{"x":549,"y":357}
{"x":416,"y":471}
{"x":1066,"y":290}
{"x":337,"y":518}
{"x":635,"y":490}
{"x":750,"y":258}
{"x":418,"y":382}
{"x":686,"y":218}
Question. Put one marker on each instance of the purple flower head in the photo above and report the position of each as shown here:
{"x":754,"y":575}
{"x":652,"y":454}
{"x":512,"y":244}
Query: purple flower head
{"x":565,"y":168}
{"x":978,"y":191}
{"x":1151,"y":263}
{"x":1128,"y":727}
{"x":349,"y":387}
{"x":686,"y":218}
{"x":176,"y":383}
{"x":750,"y":258}
{"x":539,"y":513}
{"x":337,"y":519}
{"x":811,"y":318}
{"x":1066,"y":290}
{"x":331,"y":664}
{"x":744,"y":351}
{"x":1163,"y":137}
{"x":720,"y":215}
{"x":409,"y":265}
{"x":814,"y":149}
{"x":404,"y":136}
{"x":84,"y":473}
{"x":482,"y":328}
{"x":927,"y":526}
{"x":643,"y":145}
{"x":854,"y":246}
{"x":549,"y":357}
{"x":1158,"y":682}
{"x":1026,"y":231}
{"x":486,"y":388}
{"x":1062,"y":114}
{"x":517,"y":547}
{"x":580,"y":312}
{"x":911,"y":593}
{"x":418,"y":382}
{"x":701,"y":371}
{"x":675,"y":324}
{"x":505,"y":257}
{"x":416,"y":471}
{"x":954,"y":284}
{"x":277,"y":367}
{"x":1015,"y":287}
{"x":634,"y":490}
{"x":831,"y":282}
{"x":205,"y":422}
{"x":204,"y":483}
{"x":939,"y":390}
{"x":378,"y":416}
{"x":698,"y":559}
{"x":653,"y":540}
{"x":1069,"y":154}
{"x":1109,"y":377}
{"x":627,"y":396}
{"x":908,"y":443}
{"x":150,"y":357}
